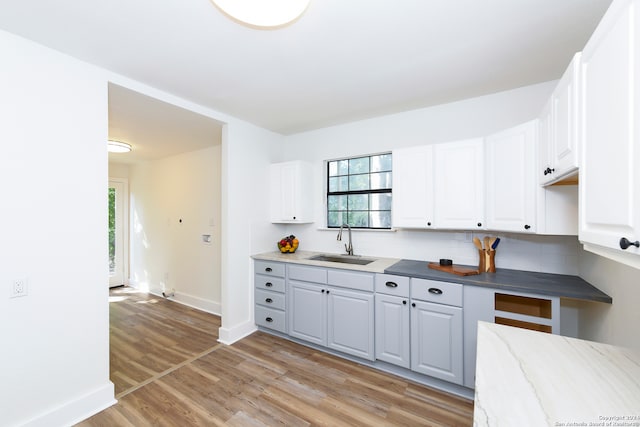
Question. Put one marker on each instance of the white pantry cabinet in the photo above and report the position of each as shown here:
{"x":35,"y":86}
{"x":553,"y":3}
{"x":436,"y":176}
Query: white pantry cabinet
{"x":291,"y":192}
{"x":558,"y":150}
{"x":413,"y":187}
{"x":459,"y":184}
{"x":610,"y":136}
{"x":511,"y":180}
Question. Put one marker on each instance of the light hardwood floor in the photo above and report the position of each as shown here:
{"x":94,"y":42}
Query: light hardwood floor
{"x":260,"y":380}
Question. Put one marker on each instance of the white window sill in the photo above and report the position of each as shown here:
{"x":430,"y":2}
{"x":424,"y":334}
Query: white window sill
{"x":358,"y":230}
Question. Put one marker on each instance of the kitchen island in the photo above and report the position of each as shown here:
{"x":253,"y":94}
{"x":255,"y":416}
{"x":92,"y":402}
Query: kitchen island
{"x":528,"y":378}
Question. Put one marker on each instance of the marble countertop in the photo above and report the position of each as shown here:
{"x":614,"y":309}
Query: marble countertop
{"x":527,"y":378}
{"x":560,"y":285}
{"x":302,"y":257}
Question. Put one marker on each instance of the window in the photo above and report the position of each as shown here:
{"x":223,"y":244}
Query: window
{"x":359,"y":192}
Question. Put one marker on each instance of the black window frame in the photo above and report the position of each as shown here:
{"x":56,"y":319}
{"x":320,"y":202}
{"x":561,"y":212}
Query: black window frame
{"x":356,"y":192}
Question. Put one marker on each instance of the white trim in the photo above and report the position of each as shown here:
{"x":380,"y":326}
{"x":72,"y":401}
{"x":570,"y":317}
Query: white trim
{"x":68,"y":413}
{"x":230,"y":335}
{"x":125,"y":226}
{"x":192,"y":301}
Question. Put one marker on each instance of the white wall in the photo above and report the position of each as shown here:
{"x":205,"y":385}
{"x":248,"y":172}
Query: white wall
{"x":54,"y":363}
{"x":465,"y":119}
{"x":174,"y":201}
{"x":118,"y":170}
{"x":616,"y":323}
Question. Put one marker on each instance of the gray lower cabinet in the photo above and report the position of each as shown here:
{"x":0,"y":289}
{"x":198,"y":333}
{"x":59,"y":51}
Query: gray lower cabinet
{"x":437,"y":330}
{"x":270,"y":298}
{"x":393,"y":339}
{"x":324,"y":310}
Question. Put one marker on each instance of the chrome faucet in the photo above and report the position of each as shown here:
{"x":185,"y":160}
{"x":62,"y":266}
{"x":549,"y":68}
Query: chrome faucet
{"x":349,"y":247}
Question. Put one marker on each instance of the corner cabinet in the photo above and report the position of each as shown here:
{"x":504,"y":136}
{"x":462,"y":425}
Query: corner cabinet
{"x":610,"y":136}
{"x":511,"y":180}
{"x":290,"y":199}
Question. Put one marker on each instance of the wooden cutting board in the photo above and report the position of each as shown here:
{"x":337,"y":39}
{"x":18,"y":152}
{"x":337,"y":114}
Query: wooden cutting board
{"x":453,"y":269}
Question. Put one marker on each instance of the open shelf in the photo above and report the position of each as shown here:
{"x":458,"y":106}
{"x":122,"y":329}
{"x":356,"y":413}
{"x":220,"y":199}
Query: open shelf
{"x":523,"y":305}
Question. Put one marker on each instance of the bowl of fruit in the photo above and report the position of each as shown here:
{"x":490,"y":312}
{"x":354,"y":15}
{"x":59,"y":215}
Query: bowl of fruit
{"x":288,"y":244}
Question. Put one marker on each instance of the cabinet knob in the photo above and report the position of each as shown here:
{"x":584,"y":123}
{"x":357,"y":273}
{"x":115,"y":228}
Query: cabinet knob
{"x":527,"y":226}
{"x":624,"y":243}
{"x":404,"y":302}
{"x":413,"y":304}
{"x":435,"y":291}
{"x":479,"y":224}
{"x":269,"y":300}
{"x":268,"y":270}
{"x":391,"y":284}
{"x":549,"y":171}
{"x":322,"y":291}
{"x":269,"y":319}
{"x":294,"y":217}
{"x":268,"y":284}
{"x":327,"y":291}
{"x":429,"y":223}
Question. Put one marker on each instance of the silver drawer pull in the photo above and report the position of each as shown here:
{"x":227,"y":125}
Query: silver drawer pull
{"x":269,"y":300}
{"x":435,"y":291}
{"x":391,"y":284}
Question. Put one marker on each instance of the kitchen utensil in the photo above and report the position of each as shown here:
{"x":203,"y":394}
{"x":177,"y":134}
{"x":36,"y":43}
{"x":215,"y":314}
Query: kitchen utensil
{"x":487,"y":244}
{"x":453,"y":269}
{"x":477,"y":243}
{"x":495,"y":244}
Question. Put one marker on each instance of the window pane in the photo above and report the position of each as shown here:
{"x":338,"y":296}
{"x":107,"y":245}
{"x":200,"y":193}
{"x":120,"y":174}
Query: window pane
{"x":381,"y":163}
{"x":358,"y":182}
{"x":380,"y":202}
{"x":380,"y":180}
{"x":380,"y":219}
{"x":335,"y":218}
{"x":333,"y":168}
{"x":359,"y":165}
{"x":337,"y":203}
{"x":339,"y":183}
{"x":358,"y":202}
{"x":343,"y":167}
{"x":358,"y":219}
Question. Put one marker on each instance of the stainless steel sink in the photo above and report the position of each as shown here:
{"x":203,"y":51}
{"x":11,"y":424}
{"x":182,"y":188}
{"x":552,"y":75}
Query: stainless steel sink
{"x":345,"y":259}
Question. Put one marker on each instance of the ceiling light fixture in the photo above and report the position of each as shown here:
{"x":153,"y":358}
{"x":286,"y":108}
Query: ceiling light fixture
{"x":263,"y":14}
{"x":118,"y":147}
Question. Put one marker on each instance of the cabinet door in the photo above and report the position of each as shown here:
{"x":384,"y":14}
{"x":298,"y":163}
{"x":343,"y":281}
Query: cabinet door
{"x":511,"y":187}
{"x":436,"y":340}
{"x":545,"y":142}
{"x":307,"y":309}
{"x":478,"y":306}
{"x":351,"y":322}
{"x":290,"y":187}
{"x":393,"y":343}
{"x":565,"y":122}
{"x":610,"y":172}
{"x":413,"y":187}
{"x":459,"y":185}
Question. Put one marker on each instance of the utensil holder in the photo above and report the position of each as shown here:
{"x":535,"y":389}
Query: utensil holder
{"x":482,"y":260}
{"x":491,"y":266}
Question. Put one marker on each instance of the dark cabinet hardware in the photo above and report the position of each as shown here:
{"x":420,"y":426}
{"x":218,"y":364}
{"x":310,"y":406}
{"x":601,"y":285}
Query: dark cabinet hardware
{"x":268,"y":284}
{"x":268,"y":269}
{"x":527,"y":226}
{"x":327,"y":291}
{"x":294,"y":217}
{"x":391,"y":284}
{"x":548,"y":171}
{"x":269,"y":300}
{"x":269,"y":319}
{"x":323,"y":291}
{"x":429,"y":223}
{"x":404,"y":302}
{"x":435,"y":291}
{"x":413,"y":304}
{"x":624,"y":243}
{"x":479,"y":224}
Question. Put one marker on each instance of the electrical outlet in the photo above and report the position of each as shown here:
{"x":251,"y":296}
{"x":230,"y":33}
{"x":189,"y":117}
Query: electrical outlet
{"x":18,"y":288}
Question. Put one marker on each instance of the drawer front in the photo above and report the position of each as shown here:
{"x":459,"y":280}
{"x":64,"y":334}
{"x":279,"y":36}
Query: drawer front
{"x":270,"y":299}
{"x":269,"y":268}
{"x":438,"y":292}
{"x":275,"y":284}
{"x":351,"y":280}
{"x":307,"y":274}
{"x":271,"y":318}
{"x":392,"y":285}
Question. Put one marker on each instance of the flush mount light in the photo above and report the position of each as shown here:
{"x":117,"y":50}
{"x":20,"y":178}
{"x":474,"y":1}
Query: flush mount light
{"x":263,"y":13}
{"x":118,"y":147}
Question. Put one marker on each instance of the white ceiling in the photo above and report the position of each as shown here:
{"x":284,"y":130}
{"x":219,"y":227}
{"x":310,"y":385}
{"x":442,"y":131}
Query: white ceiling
{"x":344,"y":60}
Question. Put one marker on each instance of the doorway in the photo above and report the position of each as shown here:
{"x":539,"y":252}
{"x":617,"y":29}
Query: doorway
{"x":118,"y":208}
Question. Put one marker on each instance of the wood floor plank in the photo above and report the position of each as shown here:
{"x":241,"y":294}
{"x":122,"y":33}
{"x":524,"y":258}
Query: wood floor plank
{"x":171,"y":372}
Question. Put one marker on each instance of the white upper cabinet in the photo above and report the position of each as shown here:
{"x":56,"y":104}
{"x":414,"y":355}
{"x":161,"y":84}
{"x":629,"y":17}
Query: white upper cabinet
{"x":459,"y":184}
{"x":558,"y":155}
{"x":610,"y":135}
{"x":511,"y":179}
{"x":413,"y":187}
{"x":291,"y":192}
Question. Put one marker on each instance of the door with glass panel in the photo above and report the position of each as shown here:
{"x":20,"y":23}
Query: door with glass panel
{"x":117,"y":232}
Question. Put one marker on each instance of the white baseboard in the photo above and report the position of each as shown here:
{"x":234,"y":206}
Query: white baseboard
{"x":192,"y":301}
{"x":77,"y":410}
{"x":230,"y":335}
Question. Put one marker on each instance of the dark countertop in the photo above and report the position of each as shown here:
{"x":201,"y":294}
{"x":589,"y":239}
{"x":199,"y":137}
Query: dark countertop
{"x":559,"y":285}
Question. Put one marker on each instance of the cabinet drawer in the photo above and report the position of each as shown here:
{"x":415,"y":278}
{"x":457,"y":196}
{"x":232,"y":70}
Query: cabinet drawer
{"x":269,"y":268}
{"x":307,"y":274}
{"x":392,"y":285}
{"x":438,"y":292}
{"x":270,"y":299}
{"x":351,"y":280}
{"x":271,"y":318}
{"x":275,"y":284}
